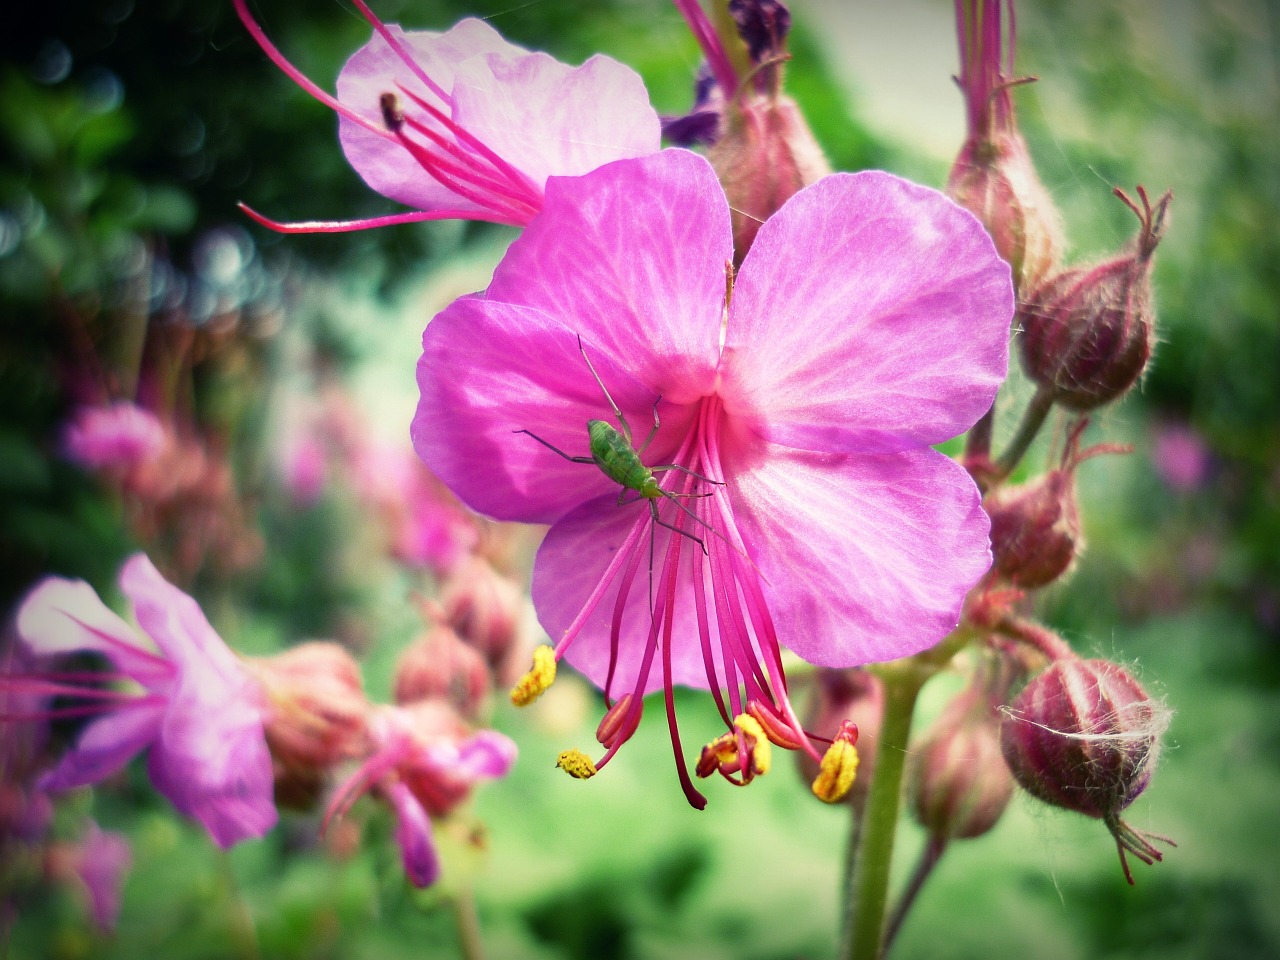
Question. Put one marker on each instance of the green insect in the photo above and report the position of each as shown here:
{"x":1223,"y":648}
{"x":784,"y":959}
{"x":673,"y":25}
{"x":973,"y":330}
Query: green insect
{"x":615,"y":453}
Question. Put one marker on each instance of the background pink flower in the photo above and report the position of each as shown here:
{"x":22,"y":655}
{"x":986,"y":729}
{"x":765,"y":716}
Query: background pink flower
{"x":198,"y":712}
{"x":463,"y":124}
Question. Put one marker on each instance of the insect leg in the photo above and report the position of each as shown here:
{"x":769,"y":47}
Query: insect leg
{"x":653,"y":510}
{"x":693,"y":473}
{"x":626,"y":429}
{"x":654,"y":432}
{"x":555,"y":449}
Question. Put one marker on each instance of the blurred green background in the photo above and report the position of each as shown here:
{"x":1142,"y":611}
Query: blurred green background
{"x":129,"y":131}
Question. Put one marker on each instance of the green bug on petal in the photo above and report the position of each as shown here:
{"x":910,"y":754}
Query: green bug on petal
{"x":615,"y":453}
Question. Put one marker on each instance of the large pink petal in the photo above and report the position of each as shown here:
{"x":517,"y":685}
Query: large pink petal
{"x":105,"y":747}
{"x":866,"y":558}
{"x":871,"y":314}
{"x":632,"y":256}
{"x":213,"y":764}
{"x":376,"y":69}
{"x":550,"y":119}
{"x":571,"y":561}
{"x":66,"y":616}
{"x":488,"y":370}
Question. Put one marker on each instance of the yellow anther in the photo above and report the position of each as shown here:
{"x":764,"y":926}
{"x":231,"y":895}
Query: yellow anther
{"x":762,"y":750}
{"x":576,"y":764}
{"x":837,"y":772}
{"x":534,"y":683}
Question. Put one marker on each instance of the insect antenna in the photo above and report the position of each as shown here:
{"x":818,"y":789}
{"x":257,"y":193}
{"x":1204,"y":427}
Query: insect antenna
{"x":617,"y":412}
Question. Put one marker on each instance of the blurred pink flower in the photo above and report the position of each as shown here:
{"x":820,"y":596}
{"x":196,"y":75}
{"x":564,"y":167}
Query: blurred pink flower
{"x":198,"y":712}
{"x":1180,"y":457}
{"x":424,"y":762}
{"x":98,"y":862}
{"x":116,"y":437}
{"x":868,"y":322}
{"x":465,"y":125}
{"x":426,"y":524}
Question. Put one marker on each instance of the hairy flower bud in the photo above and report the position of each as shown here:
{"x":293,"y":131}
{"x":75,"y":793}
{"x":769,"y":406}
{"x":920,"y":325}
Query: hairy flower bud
{"x":1087,"y":331}
{"x":1085,"y":736}
{"x":1035,"y":529}
{"x":994,"y":179}
{"x":317,"y":714}
{"x":766,"y":154}
{"x":439,"y":665}
{"x":959,"y":783}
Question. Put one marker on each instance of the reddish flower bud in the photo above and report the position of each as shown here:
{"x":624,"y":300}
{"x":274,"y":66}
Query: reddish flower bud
{"x":485,"y":609}
{"x":993,"y":176}
{"x":959,"y":783}
{"x":1087,"y":331}
{"x":765,"y":156}
{"x":317,"y":715}
{"x":841,"y":695}
{"x":1085,"y":736}
{"x":1035,"y":527}
{"x":439,"y":665}
{"x":994,"y":179}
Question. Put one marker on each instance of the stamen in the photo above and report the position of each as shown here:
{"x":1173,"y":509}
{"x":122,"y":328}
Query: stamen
{"x":349,"y":226}
{"x":621,"y":721}
{"x":839,"y":765}
{"x":297,"y":76}
{"x":576,"y":764}
{"x":535,"y":683}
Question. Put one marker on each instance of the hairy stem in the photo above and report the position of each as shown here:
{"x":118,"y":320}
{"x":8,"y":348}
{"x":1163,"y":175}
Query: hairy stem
{"x":929,"y":857}
{"x":1032,"y":420}
{"x":868,"y":888}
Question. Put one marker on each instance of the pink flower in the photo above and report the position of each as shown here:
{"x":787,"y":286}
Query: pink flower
{"x":98,"y":864}
{"x":117,"y":437}
{"x":868,"y":321}
{"x":1180,"y":457}
{"x":197,"y":710}
{"x":424,"y":762}
{"x":426,"y":525}
{"x":465,"y":125}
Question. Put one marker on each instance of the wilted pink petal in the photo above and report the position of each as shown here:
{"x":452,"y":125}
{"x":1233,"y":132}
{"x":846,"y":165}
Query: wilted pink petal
{"x":199,"y":712}
{"x":869,"y":321}
{"x":413,"y":834}
{"x":116,"y":437}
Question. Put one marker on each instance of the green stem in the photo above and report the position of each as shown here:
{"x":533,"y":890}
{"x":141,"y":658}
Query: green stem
{"x":470,"y":942}
{"x":933,"y":850}
{"x":869,"y":887}
{"x":1032,"y":420}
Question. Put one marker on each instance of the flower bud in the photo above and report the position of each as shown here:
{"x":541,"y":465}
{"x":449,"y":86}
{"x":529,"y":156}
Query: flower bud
{"x":317,"y":713}
{"x":840,"y":695}
{"x":484,"y":608}
{"x":1085,"y":736}
{"x":439,"y":664}
{"x":1035,"y":529}
{"x":994,"y":179}
{"x":765,"y":156}
{"x":1087,"y":331}
{"x":959,"y":783}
